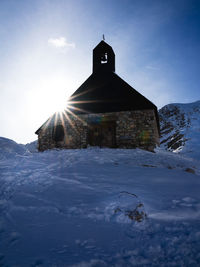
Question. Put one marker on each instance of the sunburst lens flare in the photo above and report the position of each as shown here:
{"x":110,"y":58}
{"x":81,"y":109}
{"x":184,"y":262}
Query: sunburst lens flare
{"x":70,"y":112}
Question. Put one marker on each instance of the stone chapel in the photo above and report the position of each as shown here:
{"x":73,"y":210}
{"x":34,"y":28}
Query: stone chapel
{"x":104,"y":111}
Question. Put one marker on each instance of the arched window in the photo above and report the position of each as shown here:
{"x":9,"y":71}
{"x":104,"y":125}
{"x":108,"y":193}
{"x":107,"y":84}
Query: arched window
{"x":58,"y":133}
{"x":104,"y":58}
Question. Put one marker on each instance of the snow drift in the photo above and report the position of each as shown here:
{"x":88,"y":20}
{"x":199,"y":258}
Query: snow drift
{"x":98,"y":207}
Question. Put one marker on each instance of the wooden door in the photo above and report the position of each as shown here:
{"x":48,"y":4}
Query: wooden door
{"x":102,"y":134}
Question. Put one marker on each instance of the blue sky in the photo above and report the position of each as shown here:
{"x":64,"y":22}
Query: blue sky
{"x":46,"y":53}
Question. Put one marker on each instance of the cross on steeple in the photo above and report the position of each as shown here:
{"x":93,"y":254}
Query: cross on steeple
{"x":103,"y":37}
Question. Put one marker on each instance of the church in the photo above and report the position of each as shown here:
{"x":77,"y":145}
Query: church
{"x":104,"y":111}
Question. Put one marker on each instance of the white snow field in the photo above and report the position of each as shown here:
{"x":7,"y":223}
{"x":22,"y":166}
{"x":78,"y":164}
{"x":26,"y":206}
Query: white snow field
{"x":98,"y":207}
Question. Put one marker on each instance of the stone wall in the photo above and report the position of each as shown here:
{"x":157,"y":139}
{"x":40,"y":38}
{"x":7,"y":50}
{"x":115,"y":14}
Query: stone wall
{"x":137,"y":129}
{"x":133,"y":129}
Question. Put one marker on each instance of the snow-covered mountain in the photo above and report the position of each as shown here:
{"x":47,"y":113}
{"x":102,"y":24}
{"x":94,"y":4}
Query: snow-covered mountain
{"x":98,"y":207}
{"x":180,"y":128}
{"x":32,"y":147}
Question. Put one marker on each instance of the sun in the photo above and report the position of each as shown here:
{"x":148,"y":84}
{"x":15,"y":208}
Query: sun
{"x":56,"y":101}
{"x":60,"y":105}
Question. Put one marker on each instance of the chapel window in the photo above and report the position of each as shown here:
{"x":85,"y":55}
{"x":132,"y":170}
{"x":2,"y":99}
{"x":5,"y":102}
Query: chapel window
{"x":58,"y":133}
{"x":104,"y":58}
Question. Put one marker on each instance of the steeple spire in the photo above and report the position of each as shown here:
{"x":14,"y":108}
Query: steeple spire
{"x":103,"y":57}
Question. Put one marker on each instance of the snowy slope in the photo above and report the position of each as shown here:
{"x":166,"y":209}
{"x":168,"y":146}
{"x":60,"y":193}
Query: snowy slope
{"x":9,"y":148}
{"x":32,"y":147}
{"x":180,"y":128}
{"x":98,"y":207}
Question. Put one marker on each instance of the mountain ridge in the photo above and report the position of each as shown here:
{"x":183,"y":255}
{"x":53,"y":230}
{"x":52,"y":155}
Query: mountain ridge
{"x":180,"y":128}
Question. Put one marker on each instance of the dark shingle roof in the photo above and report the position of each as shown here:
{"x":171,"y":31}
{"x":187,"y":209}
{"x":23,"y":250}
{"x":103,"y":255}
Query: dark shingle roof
{"x":107,"y":92}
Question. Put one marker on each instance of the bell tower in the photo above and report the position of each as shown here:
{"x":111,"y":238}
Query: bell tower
{"x":103,"y":58}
